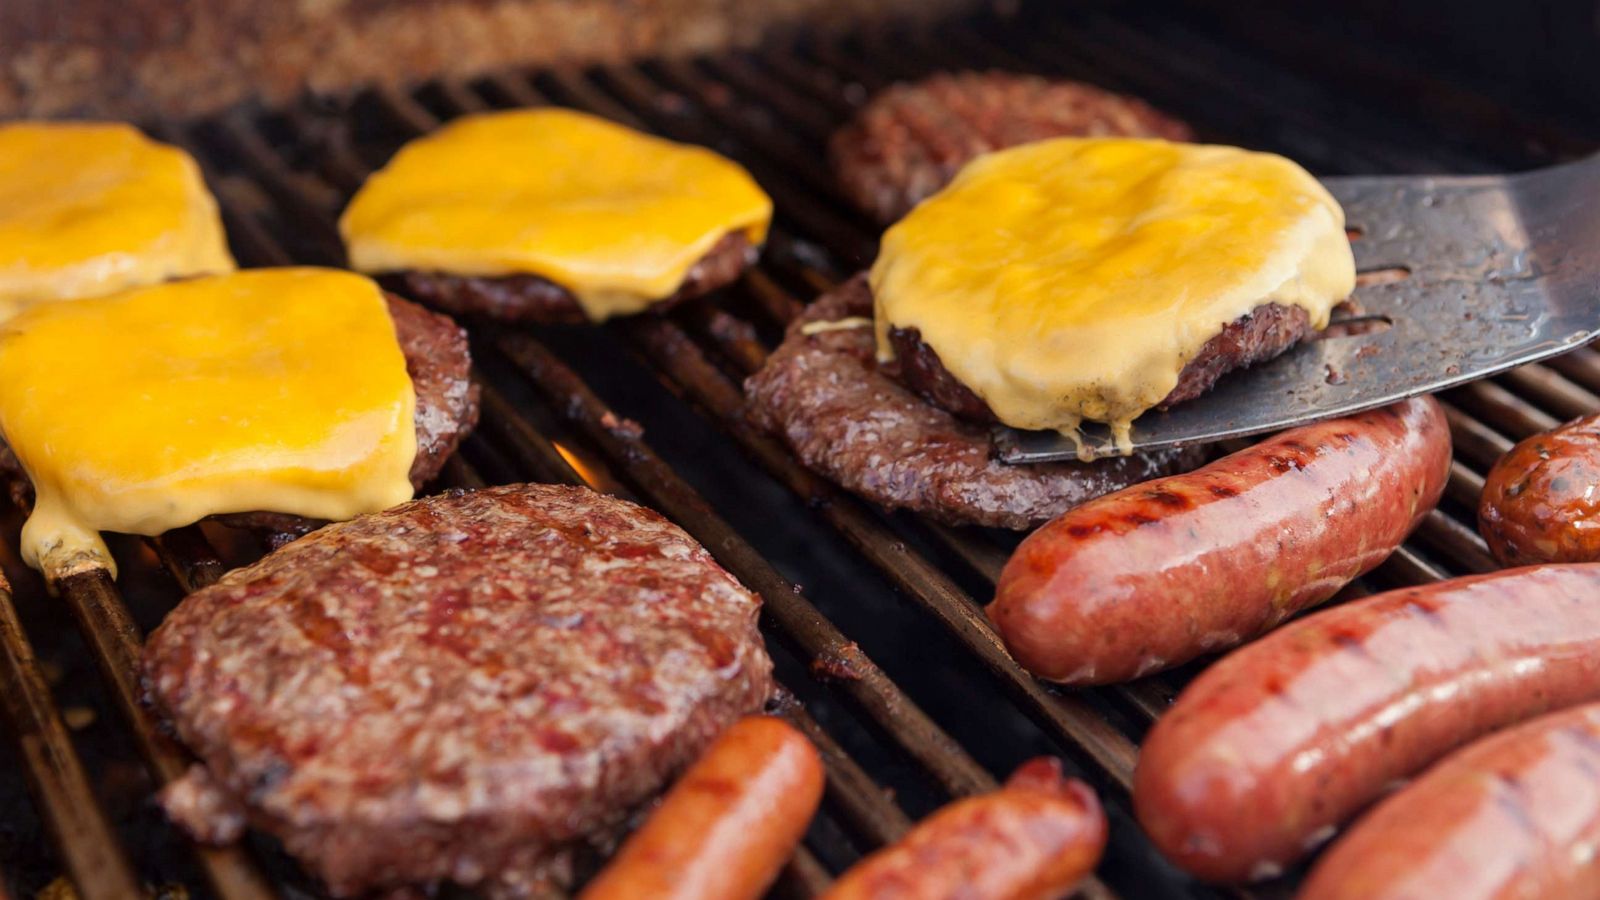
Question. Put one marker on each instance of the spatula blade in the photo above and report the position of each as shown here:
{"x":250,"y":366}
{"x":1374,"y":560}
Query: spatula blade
{"x":1502,"y":271}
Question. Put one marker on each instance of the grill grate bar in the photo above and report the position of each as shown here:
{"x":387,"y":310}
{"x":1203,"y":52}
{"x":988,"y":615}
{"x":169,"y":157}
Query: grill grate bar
{"x":113,"y":639}
{"x":94,"y":859}
{"x":1581,"y":366}
{"x":1493,"y":403}
{"x":189,"y":557}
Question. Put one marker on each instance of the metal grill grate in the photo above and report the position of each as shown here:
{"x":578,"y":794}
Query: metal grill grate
{"x":912,"y":700}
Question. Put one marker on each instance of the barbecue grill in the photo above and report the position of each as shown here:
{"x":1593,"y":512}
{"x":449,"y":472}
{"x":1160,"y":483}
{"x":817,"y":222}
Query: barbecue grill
{"x":874,"y":620}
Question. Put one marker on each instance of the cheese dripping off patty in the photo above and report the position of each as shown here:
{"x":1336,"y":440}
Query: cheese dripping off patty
{"x":614,"y":216}
{"x":90,"y":208}
{"x":1072,"y":279}
{"x":282,"y":390}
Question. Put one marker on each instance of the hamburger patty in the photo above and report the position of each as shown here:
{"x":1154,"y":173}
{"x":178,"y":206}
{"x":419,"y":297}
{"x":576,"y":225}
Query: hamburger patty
{"x":911,"y":139}
{"x":1259,"y":335}
{"x":529,"y":298}
{"x":440,"y":366}
{"x":455,"y":689}
{"x":850,"y":420}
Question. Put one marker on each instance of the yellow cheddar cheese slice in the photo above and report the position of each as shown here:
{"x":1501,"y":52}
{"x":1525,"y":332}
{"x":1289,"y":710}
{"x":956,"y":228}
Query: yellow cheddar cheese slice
{"x":273,"y":389}
{"x":1073,"y":279}
{"x":92,"y":208}
{"x":614,"y":216}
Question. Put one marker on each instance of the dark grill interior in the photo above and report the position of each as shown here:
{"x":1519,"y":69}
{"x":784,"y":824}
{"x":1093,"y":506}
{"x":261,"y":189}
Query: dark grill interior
{"x":874,"y":620}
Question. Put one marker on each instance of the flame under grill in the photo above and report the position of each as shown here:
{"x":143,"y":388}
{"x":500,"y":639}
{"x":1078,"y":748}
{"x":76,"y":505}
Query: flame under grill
{"x":874,"y":620}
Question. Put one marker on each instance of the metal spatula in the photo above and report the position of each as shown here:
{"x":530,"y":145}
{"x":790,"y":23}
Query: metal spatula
{"x":1502,"y":270}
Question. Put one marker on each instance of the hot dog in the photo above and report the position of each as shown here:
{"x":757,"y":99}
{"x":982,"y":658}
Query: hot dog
{"x":1513,"y":815}
{"x":1033,"y":839}
{"x":1272,"y":748}
{"x":727,"y":826}
{"x":1155,"y":575}
{"x":1539,"y":502}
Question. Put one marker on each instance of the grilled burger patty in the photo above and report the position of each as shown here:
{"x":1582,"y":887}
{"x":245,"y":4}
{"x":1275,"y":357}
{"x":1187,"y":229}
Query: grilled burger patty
{"x":457,"y":688}
{"x":1257,"y":336}
{"x":852,"y":421}
{"x":529,"y":298}
{"x":439,"y":364}
{"x":911,"y":139}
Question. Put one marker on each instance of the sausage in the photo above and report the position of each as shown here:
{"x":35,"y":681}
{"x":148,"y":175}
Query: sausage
{"x":1539,"y":502}
{"x":1272,"y":748}
{"x":1155,"y":575}
{"x":1513,"y":815}
{"x":727,"y":826}
{"x":1033,"y":839}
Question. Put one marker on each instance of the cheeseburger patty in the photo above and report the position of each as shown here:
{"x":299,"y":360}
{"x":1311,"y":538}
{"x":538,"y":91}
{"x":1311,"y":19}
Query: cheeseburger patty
{"x":529,"y":298}
{"x":911,"y":139}
{"x":455,"y":689}
{"x":1257,"y":336}
{"x":439,"y":364}
{"x":853,"y":422}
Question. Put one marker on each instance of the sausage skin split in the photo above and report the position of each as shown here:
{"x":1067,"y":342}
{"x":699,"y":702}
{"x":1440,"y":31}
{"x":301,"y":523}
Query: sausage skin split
{"x":1272,"y":748}
{"x":727,"y":826}
{"x":1033,"y":839}
{"x":1156,"y":575}
{"x":1539,"y":501}
{"x":1514,"y":815}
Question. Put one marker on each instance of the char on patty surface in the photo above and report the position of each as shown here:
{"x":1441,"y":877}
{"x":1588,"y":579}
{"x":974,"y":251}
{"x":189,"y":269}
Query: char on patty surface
{"x":457,"y":688}
{"x":852,"y":421}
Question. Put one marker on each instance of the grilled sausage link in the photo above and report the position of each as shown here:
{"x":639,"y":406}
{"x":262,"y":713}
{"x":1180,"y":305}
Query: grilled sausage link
{"x":1155,"y":575}
{"x":1539,"y":503}
{"x":727,"y":826}
{"x":1269,"y":750}
{"x":1514,"y":815}
{"x":1033,"y":839}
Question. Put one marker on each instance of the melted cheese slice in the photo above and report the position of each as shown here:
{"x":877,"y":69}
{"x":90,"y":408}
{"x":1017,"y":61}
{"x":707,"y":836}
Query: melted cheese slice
{"x":1074,"y":278}
{"x":88,"y":209}
{"x":614,"y":216}
{"x":272,"y":389}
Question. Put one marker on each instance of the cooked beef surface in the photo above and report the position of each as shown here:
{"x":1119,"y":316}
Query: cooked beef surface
{"x":853,"y":422}
{"x":529,"y":298}
{"x":911,"y":139}
{"x":1259,"y":335}
{"x":455,"y":689}
{"x":440,"y":366}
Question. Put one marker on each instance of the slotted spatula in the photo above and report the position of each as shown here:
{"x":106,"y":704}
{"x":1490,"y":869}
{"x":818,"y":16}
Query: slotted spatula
{"x":1484,"y":273}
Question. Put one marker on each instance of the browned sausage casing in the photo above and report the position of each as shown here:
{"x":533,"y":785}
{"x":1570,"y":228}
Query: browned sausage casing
{"x":1514,"y":815}
{"x":1541,"y":501}
{"x":727,"y":826}
{"x":1031,"y":840}
{"x":1155,"y":575}
{"x":1283,"y":740}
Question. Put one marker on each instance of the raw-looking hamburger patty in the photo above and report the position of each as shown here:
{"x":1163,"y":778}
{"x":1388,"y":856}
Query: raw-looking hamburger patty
{"x":1257,"y":336}
{"x":529,"y":298}
{"x":455,"y":689}
{"x":911,"y":139}
{"x":439,"y":364}
{"x":850,"y":420}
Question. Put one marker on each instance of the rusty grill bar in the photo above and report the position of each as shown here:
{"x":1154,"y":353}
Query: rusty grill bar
{"x":894,"y":741}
